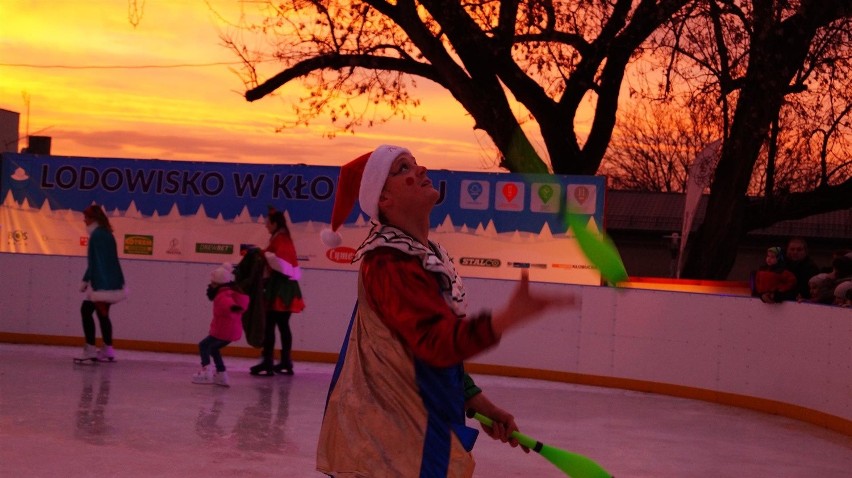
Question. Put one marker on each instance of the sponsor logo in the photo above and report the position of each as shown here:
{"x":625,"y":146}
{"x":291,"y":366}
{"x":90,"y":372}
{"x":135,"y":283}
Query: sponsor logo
{"x":211,"y":248}
{"x":18,"y":236}
{"x":57,"y":240}
{"x":341,"y":254}
{"x":572,"y":266}
{"x":174,"y":247}
{"x":526,"y":265}
{"x":138,"y":244}
{"x":479,"y":262}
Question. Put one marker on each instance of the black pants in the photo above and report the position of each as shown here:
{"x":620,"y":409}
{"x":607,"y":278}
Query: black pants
{"x":211,"y":347}
{"x":102,"y":310}
{"x":281,"y":321}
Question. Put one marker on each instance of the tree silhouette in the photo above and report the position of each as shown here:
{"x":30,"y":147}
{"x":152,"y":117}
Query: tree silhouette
{"x":548,"y":56}
{"x":745,"y":59}
{"x":755,"y":57}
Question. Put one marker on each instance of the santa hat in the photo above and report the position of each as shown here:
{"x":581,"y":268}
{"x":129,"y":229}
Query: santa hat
{"x":223,"y":274}
{"x":362,"y":178}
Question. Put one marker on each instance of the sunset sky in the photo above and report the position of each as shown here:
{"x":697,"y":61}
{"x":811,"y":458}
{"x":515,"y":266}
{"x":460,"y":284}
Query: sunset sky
{"x":53,"y":55}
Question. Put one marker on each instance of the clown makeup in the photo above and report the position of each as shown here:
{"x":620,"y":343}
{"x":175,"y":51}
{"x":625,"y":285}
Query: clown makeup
{"x":407,"y":178}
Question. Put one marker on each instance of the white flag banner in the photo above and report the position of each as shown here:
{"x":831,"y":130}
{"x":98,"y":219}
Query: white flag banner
{"x":699,"y":178}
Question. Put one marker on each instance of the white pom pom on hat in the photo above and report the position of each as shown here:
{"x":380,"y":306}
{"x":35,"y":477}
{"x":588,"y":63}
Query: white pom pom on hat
{"x":362,"y":178}
{"x":222,"y":274}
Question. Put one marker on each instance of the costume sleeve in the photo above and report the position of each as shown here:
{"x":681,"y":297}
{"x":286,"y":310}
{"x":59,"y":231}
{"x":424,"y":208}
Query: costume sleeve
{"x":408,"y":300}
{"x":470,"y":388}
{"x":281,"y":257}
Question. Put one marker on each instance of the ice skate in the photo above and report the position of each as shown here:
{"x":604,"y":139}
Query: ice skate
{"x":106,"y":354}
{"x":203,"y":376}
{"x":284,"y":368}
{"x":221,"y":379}
{"x":89,"y":356}
{"x":263,"y":369}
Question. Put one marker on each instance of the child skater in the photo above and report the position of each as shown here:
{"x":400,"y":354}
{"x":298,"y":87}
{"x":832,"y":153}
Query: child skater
{"x":229,"y":303}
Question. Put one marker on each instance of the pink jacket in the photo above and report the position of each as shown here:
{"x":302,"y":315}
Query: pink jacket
{"x":228,"y":308}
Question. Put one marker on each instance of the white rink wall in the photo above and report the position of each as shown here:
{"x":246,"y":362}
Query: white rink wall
{"x":792,"y":359}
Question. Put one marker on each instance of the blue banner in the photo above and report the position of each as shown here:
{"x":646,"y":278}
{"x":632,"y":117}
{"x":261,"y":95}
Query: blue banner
{"x":493,"y":223}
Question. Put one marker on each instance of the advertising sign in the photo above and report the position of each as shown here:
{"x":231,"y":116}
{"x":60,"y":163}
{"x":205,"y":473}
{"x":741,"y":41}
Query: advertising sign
{"x":492,"y":223}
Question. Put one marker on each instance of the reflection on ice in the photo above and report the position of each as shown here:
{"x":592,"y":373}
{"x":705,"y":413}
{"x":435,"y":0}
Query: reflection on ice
{"x":92,"y":426}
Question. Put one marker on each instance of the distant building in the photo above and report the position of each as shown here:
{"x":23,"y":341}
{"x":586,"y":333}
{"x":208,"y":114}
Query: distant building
{"x":9,"y":126}
{"x":641,"y":225}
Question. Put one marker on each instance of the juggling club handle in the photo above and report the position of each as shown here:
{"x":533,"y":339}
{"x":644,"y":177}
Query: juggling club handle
{"x":524,"y":440}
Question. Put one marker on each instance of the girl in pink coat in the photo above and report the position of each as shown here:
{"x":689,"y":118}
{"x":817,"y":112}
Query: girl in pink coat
{"x":229,"y":303}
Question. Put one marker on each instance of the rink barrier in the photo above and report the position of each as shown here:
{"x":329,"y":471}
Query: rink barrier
{"x":788,"y":359}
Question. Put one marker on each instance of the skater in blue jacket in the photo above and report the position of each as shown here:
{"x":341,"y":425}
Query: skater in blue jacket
{"x":103,"y":282}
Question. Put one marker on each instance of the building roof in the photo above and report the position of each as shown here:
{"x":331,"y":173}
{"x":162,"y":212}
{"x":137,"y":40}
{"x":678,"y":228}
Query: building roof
{"x":641,"y":211}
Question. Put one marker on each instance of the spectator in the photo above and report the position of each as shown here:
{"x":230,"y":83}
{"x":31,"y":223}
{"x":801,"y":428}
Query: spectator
{"x":842,"y":279}
{"x":773,"y":282}
{"x":799,"y":262}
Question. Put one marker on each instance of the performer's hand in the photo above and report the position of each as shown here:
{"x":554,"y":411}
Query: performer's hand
{"x":503,"y":422}
{"x":525,"y":305}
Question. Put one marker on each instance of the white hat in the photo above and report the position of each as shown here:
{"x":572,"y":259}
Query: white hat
{"x":223,"y":274}
{"x":364,"y":176}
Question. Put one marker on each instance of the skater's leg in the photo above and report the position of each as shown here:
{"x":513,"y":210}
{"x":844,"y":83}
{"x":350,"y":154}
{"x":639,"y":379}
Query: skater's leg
{"x":86,"y":311}
{"x":204,"y":349}
{"x":216,"y":353}
{"x":266,"y":365}
{"x":283,"y":323}
{"x":269,"y":336}
{"x":102,"y":310}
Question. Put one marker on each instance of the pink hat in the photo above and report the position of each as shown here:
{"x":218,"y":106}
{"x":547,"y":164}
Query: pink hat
{"x":363,"y":177}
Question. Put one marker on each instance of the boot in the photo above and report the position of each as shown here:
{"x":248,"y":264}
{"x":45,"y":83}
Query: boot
{"x":90,"y":352}
{"x":203,"y":376}
{"x":221,"y":379}
{"x":284,"y":368}
{"x":263,"y":369}
{"x":106,"y":354}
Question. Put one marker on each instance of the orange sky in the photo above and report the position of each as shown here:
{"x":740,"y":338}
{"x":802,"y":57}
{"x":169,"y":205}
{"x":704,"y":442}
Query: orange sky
{"x":187,"y":113}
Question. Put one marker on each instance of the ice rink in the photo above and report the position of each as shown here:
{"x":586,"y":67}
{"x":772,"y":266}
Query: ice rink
{"x":142,"y":417}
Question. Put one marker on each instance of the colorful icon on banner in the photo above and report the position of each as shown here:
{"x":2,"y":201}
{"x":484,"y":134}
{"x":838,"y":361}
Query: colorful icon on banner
{"x":474,"y":189}
{"x":545,"y":193}
{"x":582,"y":198}
{"x":581,"y":193}
{"x":510,"y":196}
{"x":510,"y":191}
{"x":544,"y":198}
{"x":474,"y":194}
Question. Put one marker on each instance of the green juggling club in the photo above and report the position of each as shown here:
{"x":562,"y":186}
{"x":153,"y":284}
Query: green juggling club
{"x":572,"y":464}
{"x":598,"y":248}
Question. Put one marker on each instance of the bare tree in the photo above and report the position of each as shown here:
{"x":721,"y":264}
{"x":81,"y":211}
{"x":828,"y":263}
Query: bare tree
{"x":649,"y":151}
{"x":549,"y":56}
{"x":745,"y":59}
{"x":753,"y":57}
